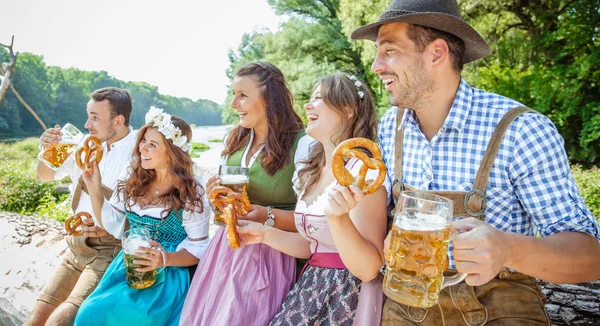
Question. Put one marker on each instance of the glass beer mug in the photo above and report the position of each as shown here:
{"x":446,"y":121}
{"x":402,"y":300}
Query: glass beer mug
{"x":236,"y":178}
{"x":132,"y":239}
{"x":418,"y":250}
{"x":55,"y":155}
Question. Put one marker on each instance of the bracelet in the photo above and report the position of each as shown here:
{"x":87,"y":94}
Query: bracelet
{"x":163,"y":253}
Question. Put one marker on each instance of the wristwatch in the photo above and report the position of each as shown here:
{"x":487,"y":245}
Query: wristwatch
{"x":270,"y":217}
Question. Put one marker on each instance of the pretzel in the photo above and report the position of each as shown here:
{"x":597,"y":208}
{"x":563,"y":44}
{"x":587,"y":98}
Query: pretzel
{"x":230,"y":203}
{"x":231,"y":222}
{"x":347,"y":148}
{"x":90,"y":145}
{"x":72,"y":228}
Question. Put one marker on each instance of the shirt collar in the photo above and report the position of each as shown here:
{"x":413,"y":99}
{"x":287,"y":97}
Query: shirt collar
{"x":130,"y":138}
{"x":460,"y":107}
{"x":458,"y":112}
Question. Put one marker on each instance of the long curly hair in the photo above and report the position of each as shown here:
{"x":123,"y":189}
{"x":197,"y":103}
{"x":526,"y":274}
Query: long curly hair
{"x":186,"y":193}
{"x":284,"y":123}
{"x":340,"y":94}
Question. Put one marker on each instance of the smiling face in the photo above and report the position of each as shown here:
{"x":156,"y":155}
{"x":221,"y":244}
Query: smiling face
{"x":100,"y":124}
{"x":249,"y":102}
{"x":153,"y":151}
{"x":323,"y":122}
{"x":401,"y":67}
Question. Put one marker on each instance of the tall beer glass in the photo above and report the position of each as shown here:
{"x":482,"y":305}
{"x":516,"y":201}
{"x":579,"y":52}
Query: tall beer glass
{"x":235,"y":178}
{"x":418,"y":250}
{"x":55,"y":155}
{"x":132,"y":240}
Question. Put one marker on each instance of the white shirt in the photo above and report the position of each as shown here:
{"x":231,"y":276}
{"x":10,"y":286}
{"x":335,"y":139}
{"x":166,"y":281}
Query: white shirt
{"x":113,"y":163}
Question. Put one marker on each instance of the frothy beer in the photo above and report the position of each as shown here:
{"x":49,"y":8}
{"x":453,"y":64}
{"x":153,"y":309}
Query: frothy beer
{"x":55,"y":155}
{"x":236,"y":182}
{"x":416,"y":259}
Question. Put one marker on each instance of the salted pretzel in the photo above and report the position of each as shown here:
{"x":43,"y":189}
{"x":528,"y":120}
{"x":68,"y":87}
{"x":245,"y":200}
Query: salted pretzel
{"x":347,"y":148}
{"x":73,"y":222}
{"x":90,"y":145}
{"x":230,"y":203}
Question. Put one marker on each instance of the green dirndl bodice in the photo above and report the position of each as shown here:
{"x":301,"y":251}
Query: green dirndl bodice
{"x":265,"y":190}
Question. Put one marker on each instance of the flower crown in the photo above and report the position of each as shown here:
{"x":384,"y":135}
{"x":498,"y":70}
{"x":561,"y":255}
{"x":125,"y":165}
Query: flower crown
{"x":165,"y":126}
{"x":358,"y":85}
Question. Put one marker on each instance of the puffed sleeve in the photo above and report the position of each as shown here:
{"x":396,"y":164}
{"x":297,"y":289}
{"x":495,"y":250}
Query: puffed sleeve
{"x":196,"y":227}
{"x":113,"y":211}
{"x":305,"y":145}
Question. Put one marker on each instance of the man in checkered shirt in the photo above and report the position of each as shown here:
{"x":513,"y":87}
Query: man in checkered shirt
{"x":422,"y":46}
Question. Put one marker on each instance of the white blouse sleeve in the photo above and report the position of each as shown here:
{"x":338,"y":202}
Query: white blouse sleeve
{"x":196,"y":227}
{"x":305,"y":145}
{"x":113,"y":211}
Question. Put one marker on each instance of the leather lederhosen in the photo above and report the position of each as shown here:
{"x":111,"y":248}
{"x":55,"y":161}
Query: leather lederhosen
{"x":511,"y":298}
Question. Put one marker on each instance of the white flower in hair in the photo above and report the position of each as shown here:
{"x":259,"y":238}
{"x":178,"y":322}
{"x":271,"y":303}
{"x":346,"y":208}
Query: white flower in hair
{"x":153,"y":114}
{"x":358,"y":84}
{"x":162,"y":121}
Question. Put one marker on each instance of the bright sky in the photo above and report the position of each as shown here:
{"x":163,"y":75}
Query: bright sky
{"x":178,"y":45}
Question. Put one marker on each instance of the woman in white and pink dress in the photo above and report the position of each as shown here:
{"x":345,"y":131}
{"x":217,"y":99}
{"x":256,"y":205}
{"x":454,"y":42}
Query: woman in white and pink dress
{"x":339,"y":228}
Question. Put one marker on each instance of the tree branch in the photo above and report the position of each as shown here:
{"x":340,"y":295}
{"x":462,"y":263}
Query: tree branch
{"x":8,"y":70}
{"x":28,"y":107}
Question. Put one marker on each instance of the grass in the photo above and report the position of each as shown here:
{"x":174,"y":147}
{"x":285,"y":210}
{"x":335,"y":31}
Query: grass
{"x":198,"y":147}
{"x":215,"y":140}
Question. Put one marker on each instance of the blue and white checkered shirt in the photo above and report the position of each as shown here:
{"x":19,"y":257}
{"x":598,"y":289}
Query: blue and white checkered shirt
{"x":530,"y":187}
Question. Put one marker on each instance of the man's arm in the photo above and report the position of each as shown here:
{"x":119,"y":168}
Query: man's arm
{"x":482,"y":251}
{"x":568,"y":250}
{"x":44,"y":173}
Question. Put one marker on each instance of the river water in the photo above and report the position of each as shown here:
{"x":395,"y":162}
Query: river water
{"x":212,"y":157}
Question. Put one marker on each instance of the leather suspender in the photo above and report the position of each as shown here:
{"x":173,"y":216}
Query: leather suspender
{"x":473,"y":202}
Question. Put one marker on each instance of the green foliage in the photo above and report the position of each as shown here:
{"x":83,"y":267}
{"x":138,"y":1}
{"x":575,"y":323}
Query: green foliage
{"x":546,"y":55}
{"x":215,"y":140}
{"x":60,"y":95}
{"x":19,"y":191}
{"x":53,"y":208}
{"x":588,"y":182}
{"x":198,"y":147}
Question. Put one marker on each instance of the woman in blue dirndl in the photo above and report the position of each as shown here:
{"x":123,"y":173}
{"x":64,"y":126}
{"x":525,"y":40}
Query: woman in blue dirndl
{"x":160,"y":194}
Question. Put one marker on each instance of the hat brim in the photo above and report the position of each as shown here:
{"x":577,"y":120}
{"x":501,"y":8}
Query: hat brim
{"x":475,"y":46}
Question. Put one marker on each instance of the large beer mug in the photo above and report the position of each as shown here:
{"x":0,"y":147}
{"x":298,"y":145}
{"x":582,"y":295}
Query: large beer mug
{"x":235,"y":178}
{"x":55,"y":155}
{"x":132,"y":240}
{"x":418,"y":250}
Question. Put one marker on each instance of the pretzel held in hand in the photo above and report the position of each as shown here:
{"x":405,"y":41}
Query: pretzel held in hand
{"x":90,"y":145}
{"x":231,"y":222}
{"x":230,"y":203}
{"x":73,"y":222}
{"x":347,"y":148}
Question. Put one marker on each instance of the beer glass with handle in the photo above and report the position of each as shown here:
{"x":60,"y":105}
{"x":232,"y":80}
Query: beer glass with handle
{"x":236,"y":178}
{"x":55,"y":155}
{"x":132,"y":240}
{"x":419,"y":249}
